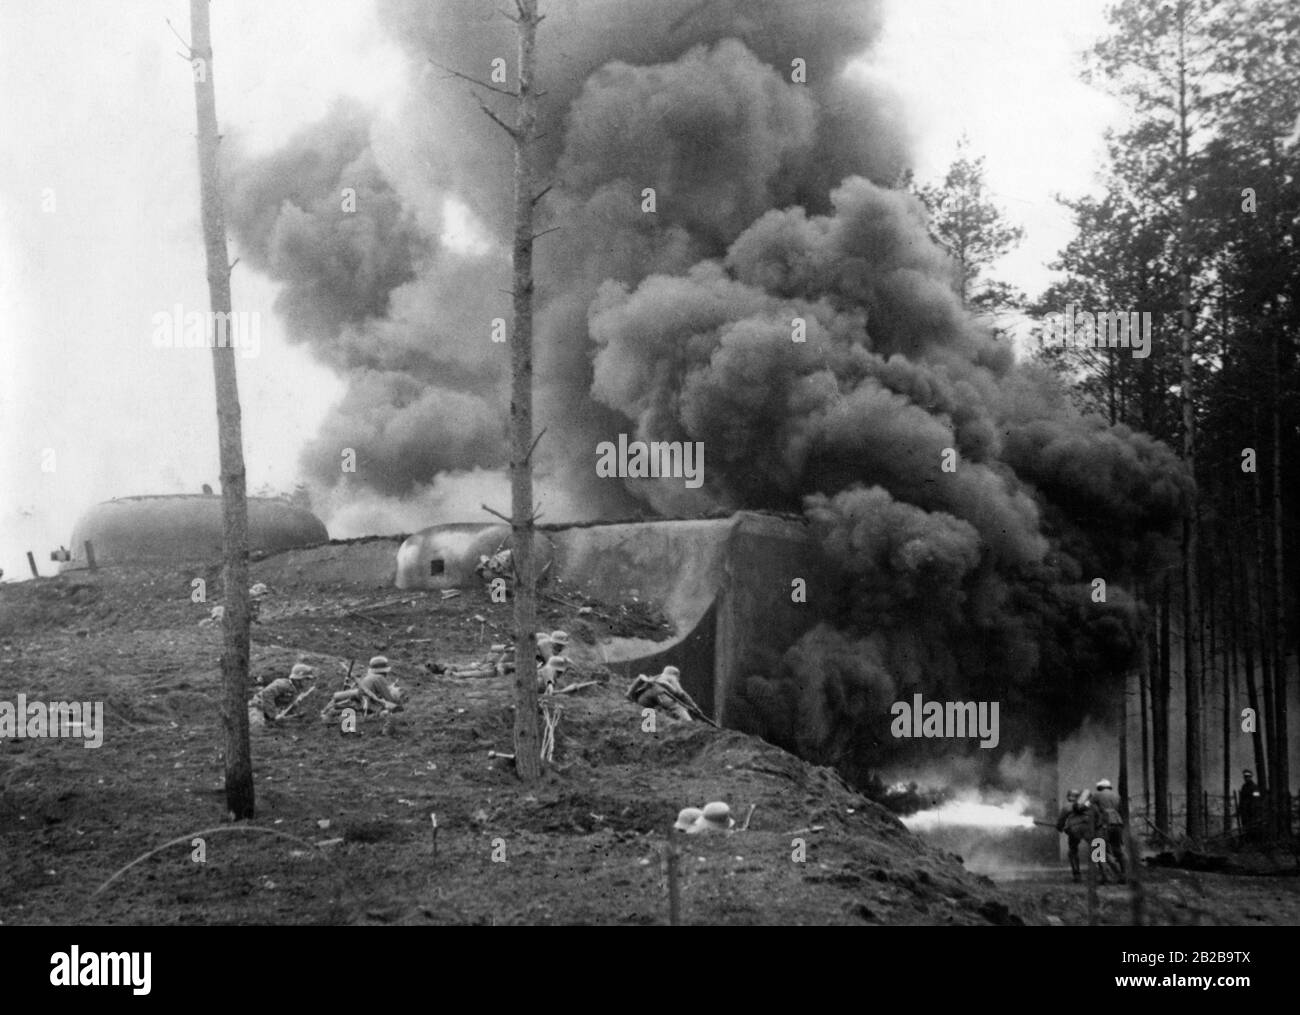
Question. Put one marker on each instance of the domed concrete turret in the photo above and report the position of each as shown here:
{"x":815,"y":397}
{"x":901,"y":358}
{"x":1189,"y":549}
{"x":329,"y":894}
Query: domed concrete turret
{"x":149,"y":530}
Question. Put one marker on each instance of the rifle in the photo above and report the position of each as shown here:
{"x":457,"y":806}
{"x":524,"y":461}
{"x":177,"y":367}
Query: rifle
{"x":367,"y":696}
{"x":293,"y":704}
{"x":694,"y":709}
{"x":348,"y":682}
{"x":687,"y":702}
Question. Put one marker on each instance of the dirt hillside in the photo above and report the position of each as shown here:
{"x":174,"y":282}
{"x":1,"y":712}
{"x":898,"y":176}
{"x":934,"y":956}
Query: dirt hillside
{"x":585,"y":845}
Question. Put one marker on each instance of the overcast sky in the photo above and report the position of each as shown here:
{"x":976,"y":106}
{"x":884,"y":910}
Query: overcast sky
{"x":97,"y":117}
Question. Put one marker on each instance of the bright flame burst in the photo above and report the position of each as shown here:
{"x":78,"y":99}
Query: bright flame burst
{"x":969,"y":811}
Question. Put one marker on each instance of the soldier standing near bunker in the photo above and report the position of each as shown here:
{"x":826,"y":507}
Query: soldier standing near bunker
{"x":1108,"y":824}
{"x":1075,"y":821}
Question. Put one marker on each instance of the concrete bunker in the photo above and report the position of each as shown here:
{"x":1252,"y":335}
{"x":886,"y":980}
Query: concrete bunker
{"x":185,"y":527}
{"x":445,"y":556}
{"x":725,"y":583}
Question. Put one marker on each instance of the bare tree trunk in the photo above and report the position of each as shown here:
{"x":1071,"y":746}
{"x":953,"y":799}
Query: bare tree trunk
{"x":1211,"y":662}
{"x":527,"y":739}
{"x":234,"y":504}
{"x":1229,"y":681}
{"x":1209,"y":647}
{"x":1205,"y":625}
{"x":1123,"y":745}
{"x":1111,"y":377}
{"x":1191,"y":525}
{"x":1195,"y":786}
{"x":1263,"y":641}
{"x":1252,"y":691}
{"x":1160,"y":713}
{"x":1244,"y":618}
{"x":1281,"y":746}
{"x":1144,"y":679}
{"x":1137,"y":895}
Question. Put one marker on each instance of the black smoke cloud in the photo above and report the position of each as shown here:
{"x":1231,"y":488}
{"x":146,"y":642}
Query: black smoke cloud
{"x":368,"y":289}
{"x":782,"y":304}
{"x":828,"y":698}
{"x":857,"y":130}
{"x":966,"y":583}
{"x":711,"y":356}
{"x":692,"y":99}
{"x":339,"y":268}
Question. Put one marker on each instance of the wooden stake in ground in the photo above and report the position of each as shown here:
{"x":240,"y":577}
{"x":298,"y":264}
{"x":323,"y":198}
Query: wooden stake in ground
{"x":90,"y":554}
{"x":31,"y":562}
{"x":674,"y":888}
{"x":551,"y":718}
{"x":234,"y":503}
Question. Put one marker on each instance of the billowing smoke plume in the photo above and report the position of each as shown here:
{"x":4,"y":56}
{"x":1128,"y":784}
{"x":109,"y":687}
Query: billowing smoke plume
{"x":781,"y":304}
{"x":692,"y":99}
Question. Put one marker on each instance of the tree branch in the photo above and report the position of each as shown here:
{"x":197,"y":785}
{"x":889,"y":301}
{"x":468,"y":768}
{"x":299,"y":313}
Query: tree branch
{"x":475,"y":81}
{"x":537,"y":513}
{"x":533,"y":447}
{"x":201,"y":833}
{"x":514,"y":134}
{"x":553,"y":229}
{"x":181,"y":37}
